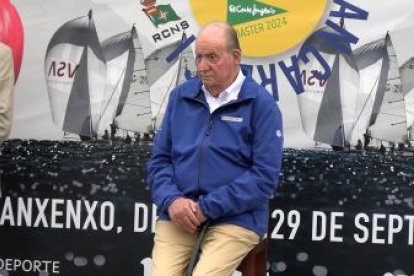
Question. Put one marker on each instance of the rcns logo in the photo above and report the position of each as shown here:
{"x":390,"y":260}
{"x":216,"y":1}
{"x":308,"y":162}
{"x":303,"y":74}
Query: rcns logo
{"x":160,"y":14}
{"x":167,"y":23}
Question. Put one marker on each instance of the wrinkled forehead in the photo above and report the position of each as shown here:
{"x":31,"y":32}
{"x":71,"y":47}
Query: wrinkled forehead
{"x":213,"y":40}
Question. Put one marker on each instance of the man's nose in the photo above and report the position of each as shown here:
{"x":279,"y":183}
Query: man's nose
{"x":202,"y":64}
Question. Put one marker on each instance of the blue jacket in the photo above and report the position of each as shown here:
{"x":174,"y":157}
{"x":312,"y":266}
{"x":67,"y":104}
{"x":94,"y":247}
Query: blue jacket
{"x":228,"y":161}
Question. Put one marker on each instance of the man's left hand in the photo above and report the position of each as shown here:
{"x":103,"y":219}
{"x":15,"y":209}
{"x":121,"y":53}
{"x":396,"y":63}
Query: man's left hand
{"x":200,"y":216}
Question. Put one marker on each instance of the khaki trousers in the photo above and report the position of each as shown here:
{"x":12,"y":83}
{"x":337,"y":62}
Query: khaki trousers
{"x":222,"y":250}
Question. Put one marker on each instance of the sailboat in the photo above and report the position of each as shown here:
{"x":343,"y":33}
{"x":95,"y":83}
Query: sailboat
{"x":373,"y":65}
{"x":137,"y":114}
{"x":119,"y":53}
{"x":382,"y":108}
{"x":407,"y":77}
{"x":327,"y":108}
{"x":131,"y":106}
{"x":94,"y":88}
{"x":185,"y":70}
{"x":128,"y":104}
{"x":403,"y":44}
{"x":387,"y":83}
{"x":75,"y":71}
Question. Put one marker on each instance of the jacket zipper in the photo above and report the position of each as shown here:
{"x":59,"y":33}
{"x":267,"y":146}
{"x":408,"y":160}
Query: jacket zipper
{"x":206,"y":134}
{"x":203,"y":147}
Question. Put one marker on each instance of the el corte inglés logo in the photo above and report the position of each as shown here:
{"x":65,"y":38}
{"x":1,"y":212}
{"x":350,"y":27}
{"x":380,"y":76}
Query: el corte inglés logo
{"x":265,"y":28}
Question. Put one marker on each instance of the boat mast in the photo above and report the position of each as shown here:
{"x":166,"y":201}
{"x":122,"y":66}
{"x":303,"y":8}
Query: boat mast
{"x":86,"y":49}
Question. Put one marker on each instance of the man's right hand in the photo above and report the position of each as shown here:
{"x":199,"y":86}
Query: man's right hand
{"x":183,"y":213}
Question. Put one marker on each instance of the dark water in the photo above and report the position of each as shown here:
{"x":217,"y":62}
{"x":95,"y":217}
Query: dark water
{"x":342,"y":182}
{"x":352,"y":183}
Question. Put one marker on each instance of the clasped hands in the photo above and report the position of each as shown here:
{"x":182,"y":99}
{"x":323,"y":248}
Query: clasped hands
{"x":186,"y":214}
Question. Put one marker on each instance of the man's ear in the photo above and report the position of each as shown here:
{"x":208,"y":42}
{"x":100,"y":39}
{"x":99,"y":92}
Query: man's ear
{"x":237,"y":55}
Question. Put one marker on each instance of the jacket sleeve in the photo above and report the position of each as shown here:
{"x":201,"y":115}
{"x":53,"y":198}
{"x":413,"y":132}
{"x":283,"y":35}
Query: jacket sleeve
{"x":161,"y":179}
{"x":6,"y":91}
{"x":257,"y":184}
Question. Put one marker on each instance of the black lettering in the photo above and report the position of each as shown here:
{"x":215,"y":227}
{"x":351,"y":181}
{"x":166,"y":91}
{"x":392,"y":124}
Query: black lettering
{"x":184,"y":24}
{"x":72,"y":72}
{"x":303,"y":76}
{"x":156,"y":37}
{"x":61,"y":68}
{"x":310,"y":81}
{"x":52,"y":69}
{"x":165,"y":33}
{"x":175,"y":29}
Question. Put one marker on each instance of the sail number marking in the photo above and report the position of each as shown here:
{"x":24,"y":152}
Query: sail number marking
{"x":309,"y":80}
{"x":62,"y":69}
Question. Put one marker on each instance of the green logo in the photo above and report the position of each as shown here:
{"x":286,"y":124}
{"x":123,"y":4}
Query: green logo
{"x":243,"y":11}
{"x":161,"y":14}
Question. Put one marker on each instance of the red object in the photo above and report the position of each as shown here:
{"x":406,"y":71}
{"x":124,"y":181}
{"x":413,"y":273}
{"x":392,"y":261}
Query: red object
{"x":148,"y":3}
{"x":151,"y":10}
{"x":11,"y":33}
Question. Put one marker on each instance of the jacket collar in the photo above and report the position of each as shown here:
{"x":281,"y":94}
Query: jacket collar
{"x":247,"y":91}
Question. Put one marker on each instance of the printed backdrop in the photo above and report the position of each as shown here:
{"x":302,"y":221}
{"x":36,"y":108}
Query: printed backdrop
{"x":338,"y":70}
{"x":275,"y":37}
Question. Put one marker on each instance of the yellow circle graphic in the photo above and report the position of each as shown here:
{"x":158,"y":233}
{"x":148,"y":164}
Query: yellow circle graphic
{"x":265,"y":27}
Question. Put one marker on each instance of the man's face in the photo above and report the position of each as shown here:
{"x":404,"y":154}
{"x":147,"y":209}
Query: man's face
{"x":217,"y":66}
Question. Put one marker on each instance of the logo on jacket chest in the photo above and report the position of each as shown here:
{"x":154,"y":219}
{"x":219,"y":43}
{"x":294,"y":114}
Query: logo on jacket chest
{"x":233,"y":119}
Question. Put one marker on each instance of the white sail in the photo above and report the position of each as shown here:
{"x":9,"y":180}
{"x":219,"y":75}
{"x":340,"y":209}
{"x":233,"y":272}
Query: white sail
{"x":328,"y":108}
{"x":391,"y":120}
{"x":184,"y":69}
{"x":157,"y":64}
{"x":134,"y":113}
{"x":129,"y":79}
{"x":119,"y":54}
{"x":403,"y":43}
{"x":75,"y":75}
{"x":407,"y":79}
{"x":373,"y":65}
{"x":187,"y":68}
{"x":403,"y":40}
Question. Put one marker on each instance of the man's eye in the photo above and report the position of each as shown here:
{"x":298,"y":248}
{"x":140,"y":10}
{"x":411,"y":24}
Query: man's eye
{"x":212,"y":57}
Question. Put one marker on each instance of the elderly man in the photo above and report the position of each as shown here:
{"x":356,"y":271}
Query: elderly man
{"x":6,"y":90}
{"x":216,"y":157}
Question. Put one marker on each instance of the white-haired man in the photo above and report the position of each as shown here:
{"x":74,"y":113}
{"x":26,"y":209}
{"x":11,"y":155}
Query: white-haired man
{"x":216,"y":157}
